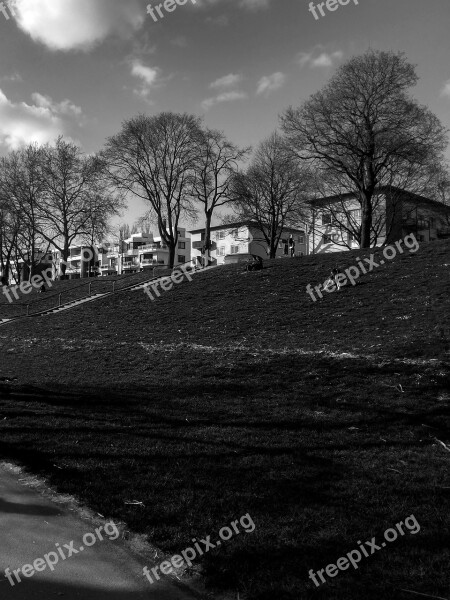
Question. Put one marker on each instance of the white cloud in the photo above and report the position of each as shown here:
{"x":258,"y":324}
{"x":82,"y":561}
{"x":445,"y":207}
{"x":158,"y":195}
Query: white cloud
{"x":254,"y":4}
{"x":227,"y":81}
{"x":66,"y":107}
{"x":41,"y":122}
{"x":247,"y":4}
{"x":220,"y":21}
{"x":271,"y":83}
{"x":15,"y":77}
{"x":446,"y":89}
{"x":77,"y":24}
{"x":318,"y":58}
{"x":150,"y":78}
{"x":180,"y":41}
{"x":223,"y":97}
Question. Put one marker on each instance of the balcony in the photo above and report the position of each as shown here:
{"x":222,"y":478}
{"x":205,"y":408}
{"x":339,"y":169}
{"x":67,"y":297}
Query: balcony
{"x":148,"y":261}
{"x":153,"y":247}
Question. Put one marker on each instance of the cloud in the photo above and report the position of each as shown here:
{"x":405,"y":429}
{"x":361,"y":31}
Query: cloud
{"x":271,"y":83}
{"x":223,"y":97}
{"x":180,"y":41}
{"x":446,"y":89}
{"x":227,"y":81}
{"x":66,"y":107}
{"x":220,"y":21}
{"x":254,"y":4}
{"x":15,"y":77}
{"x":77,"y":24}
{"x":246,"y":4}
{"x":150,"y":78}
{"x":41,"y":122}
{"x":319,"y":58}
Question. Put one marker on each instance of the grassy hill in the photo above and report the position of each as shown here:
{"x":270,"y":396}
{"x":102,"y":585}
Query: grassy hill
{"x":13,"y":302}
{"x":236,"y":393}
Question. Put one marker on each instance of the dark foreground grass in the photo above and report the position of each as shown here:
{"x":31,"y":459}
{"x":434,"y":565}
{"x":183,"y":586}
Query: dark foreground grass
{"x":237,"y":394}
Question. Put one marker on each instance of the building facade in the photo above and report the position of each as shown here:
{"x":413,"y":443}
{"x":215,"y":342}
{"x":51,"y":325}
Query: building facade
{"x":238,"y":242}
{"x":139,"y":252}
{"x":336,"y":220}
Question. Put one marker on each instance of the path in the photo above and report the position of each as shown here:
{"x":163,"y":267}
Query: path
{"x":32,"y":524}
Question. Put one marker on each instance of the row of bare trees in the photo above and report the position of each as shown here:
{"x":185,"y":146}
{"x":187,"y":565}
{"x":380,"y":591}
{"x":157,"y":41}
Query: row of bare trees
{"x":360,"y":133}
{"x":50,"y":197}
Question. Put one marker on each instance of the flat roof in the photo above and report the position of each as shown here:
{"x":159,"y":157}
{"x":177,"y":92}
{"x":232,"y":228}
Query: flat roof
{"x":241,"y":224}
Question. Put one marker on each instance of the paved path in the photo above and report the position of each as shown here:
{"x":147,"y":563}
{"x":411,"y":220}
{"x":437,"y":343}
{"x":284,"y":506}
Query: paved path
{"x":31,"y":525}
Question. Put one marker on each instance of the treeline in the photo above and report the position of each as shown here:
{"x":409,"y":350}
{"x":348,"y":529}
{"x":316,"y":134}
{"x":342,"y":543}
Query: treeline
{"x":362,"y":131}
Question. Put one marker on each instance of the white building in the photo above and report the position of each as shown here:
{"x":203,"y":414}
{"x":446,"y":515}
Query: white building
{"x":238,"y":242}
{"x":397,"y":213}
{"x":141,"y":251}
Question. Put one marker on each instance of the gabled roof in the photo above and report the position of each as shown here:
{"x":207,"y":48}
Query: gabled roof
{"x":404,"y":194}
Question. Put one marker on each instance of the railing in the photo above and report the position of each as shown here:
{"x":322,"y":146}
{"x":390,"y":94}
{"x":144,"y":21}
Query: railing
{"x":153,"y":247}
{"x":23,"y":307}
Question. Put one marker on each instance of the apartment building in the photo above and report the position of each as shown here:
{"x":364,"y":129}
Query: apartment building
{"x":139,"y":252}
{"x":336,"y":220}
{"x":238,"y":242}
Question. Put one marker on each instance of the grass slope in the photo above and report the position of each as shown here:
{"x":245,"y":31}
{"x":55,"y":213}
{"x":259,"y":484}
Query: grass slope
{"x":236,"y":394}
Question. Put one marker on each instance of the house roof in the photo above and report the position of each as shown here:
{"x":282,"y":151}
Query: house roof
{"x":405,"y":194}
{"x":241,"y":224}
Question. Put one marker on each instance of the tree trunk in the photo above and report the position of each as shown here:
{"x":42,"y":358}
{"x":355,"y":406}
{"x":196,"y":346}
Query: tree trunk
{"x":172,"y":250}
{"x":366,"y":220}
{"x":207,"y":246}
{"x":63,"y":263}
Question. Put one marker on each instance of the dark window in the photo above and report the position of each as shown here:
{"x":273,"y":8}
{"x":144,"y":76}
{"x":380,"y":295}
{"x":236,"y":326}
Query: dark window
{"x":326,"y":219}
{"x":181,"y":258}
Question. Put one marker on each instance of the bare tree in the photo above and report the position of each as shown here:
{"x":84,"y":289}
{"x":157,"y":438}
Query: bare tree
{"x":154,"y":159}
{"x":363,"y":131}
{"x":217,"y":165}
{"x":273,"y":191}
{"x":21,"y":183}
{"x":77,"y":201}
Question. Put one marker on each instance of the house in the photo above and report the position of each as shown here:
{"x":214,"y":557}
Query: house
{"x":238,"y":242}
{"x":336,"y":220}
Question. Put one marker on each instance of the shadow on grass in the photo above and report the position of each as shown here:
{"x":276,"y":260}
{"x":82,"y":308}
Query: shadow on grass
{"x":319,"y":451}
{"x":32,"y":589}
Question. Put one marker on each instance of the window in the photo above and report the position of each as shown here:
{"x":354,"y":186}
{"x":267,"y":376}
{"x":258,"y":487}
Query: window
{"x":326,"y":219}
{"x":221,"y":235}
{"x":355,"y":215}
{"x":235,"y":233}
{"x":222,"y":251}
{"x":335,"y":237}
{"x":326,"y":239}
{"x":182,"y":245}
{"x":234,"y":250}
{"x":181,"y":258}
{"x":301,"y":239}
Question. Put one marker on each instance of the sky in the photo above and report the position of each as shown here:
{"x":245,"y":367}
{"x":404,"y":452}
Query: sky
{"x":80,"y":67}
